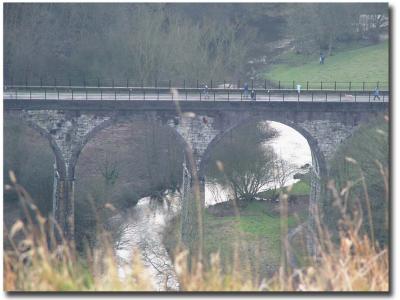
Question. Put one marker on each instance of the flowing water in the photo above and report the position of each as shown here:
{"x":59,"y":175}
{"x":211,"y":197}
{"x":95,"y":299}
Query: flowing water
{"x":142,"y":235}
{"x":143,"y":225}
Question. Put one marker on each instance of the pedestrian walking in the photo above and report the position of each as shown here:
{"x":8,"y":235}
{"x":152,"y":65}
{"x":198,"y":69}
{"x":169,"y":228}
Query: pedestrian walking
{"x":298,"y":88}
{"x":205,"y":92}
{"x":376,"y":94}
{"x":253,"y":95}
{"x":246,"y":90}
{"x":321,"y":58}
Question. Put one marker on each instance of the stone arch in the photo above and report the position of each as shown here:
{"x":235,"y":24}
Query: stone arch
{"x":77,"y":150}
{"x":318,"y":162}
{"x":113,"y":120}
{"x":316,"y":152}
{"x":60,"y":161}
{"x":116,"y":119}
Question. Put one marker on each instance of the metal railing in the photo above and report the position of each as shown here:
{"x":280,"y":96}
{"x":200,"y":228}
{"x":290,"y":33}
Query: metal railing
{"x":185,"y":83}
{"x":187,"y":94}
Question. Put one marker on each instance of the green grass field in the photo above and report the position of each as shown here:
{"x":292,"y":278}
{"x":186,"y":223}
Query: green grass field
{"x":256,"y":234}
{"x":367,"y":64}
{"x":300,"y":188}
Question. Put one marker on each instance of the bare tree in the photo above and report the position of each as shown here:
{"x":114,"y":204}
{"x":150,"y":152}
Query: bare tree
{"x":109,"y":170}
{"x":242,"y":163}
{"x":283,"y":171}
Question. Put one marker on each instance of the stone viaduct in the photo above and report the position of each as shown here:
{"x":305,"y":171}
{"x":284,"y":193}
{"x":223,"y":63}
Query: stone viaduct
{"x":69,"y":125}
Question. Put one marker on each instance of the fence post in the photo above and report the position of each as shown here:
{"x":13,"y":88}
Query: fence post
{"x":224,"y":83}
{"x":69,"y":81}
{"x":377,"y":84}
{"x":252,"y":83}
{"x":340,"y":96}
{"x":363,"y":86}
{"x":58,"y":94}
{"x":307,"y":85}
{"x":321,"y":85}
{"x":349,"y":85}
{"x":228,"y":95}
{"x":129,"y":94}
{"x":312,"y":96}
{"x":293,"y":85}
{"x":279,"y":84}
{"x":72,"y":91}
{"x":55,"y":82}
{"x":335,"y":85}
{"x":369,"y":96}
{"x":265,"y":84}
{"x":326,"y":96}
{"x":101,"y":94}
{"x":355,"y":96}
{"x":238,"y":86}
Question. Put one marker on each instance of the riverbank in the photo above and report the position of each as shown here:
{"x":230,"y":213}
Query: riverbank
{"x":250,"y":231}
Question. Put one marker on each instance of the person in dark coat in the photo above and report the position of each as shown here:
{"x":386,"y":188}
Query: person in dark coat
{"x":253,"y":94}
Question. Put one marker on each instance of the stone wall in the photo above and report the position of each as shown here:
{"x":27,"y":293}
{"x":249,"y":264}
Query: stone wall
{"x":325,"y":126}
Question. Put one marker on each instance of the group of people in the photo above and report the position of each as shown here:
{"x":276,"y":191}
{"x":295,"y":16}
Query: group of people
{"x":245,"y":92}
{"x":253,"y":92}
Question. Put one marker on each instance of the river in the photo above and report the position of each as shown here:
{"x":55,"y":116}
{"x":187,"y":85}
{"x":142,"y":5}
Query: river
{"x":144,"y":224}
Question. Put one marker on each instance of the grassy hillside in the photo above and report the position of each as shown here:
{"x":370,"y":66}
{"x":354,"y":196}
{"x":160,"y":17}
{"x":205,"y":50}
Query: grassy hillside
{"x":369,"y":64}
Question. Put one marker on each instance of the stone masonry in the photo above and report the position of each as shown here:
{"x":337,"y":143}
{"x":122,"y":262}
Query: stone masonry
{"x":69,"y":125}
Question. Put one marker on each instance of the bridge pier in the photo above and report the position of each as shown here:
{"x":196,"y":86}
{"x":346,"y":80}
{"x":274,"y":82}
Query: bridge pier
{"x":192,"y":214}
{"x":197,"y":131}
{"x":63,"y":209}
{"x":67,"y":133}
